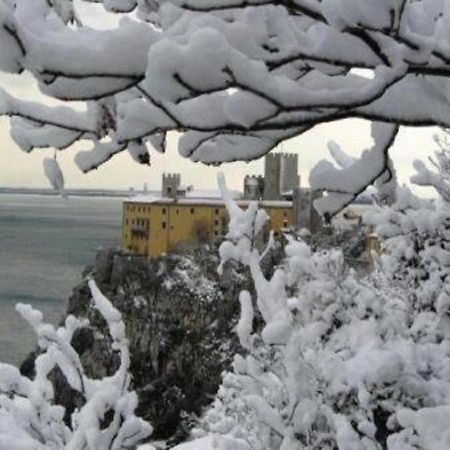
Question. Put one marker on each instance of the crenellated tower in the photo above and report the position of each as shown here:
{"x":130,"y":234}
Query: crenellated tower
{"x":253,"y":187}
{"x":170,"y":184}
{"x":280,"y":175}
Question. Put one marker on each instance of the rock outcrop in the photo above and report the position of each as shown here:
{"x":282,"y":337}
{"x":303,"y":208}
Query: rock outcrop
{"x":179,"y":316}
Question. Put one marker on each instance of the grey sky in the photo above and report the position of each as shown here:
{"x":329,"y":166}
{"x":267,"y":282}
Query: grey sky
{"x":25,"y":170}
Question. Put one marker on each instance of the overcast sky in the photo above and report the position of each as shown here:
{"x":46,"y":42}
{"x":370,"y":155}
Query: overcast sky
{"x":18,"y":169}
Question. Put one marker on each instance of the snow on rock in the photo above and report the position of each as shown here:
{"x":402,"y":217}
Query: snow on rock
{"x":178,"y":315}
{"x":214,"y":443}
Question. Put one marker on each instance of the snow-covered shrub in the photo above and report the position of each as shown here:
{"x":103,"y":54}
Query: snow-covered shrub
{"x":341,"y":362}
{"x":29,"y":418}
{"x":415,"y":235}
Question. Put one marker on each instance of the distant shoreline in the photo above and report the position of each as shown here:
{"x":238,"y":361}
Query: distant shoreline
{"x":109,"y":193}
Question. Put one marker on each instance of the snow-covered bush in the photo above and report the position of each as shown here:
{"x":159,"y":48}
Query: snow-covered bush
{"x":236,"y":77}
{"x":29,"y":418}
{"x":415,"y":235}
{"x":341,"y":362}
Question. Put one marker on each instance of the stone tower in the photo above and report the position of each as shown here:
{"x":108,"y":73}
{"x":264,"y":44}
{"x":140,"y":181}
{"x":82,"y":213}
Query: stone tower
{"x":280,"y":175}
{"x":253,"y":187}
{"x":170,"y":184}
{"x":305,"y":215}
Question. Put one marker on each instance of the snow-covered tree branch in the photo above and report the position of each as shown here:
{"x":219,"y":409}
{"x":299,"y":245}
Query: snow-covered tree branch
{"x":235,"y":77}
{"x":28,"y":414}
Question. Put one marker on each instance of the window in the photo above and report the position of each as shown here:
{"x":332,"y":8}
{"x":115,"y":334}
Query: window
{"x":164,"y":211}
{"x":217,"y":212}
{"x":169,"y":189}
{"x":216,"y":233}
{"x":178,"y":211}
{"x":285,"y":213}
{"x":163,"y":225}
{"x":192,"y":210}
{"x":126,"y":221}
{"x":216,"y":222}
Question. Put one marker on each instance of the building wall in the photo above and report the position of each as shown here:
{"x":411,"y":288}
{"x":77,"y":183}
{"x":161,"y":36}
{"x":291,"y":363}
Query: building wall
{"x":280,"y":218}
{"x":153,"y":229}
{"x":135,"y":227}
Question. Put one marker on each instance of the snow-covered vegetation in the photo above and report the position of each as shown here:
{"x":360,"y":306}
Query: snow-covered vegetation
{"x":29,"y":417}
{"x":235,"y":77}
{"x":343,"y":361}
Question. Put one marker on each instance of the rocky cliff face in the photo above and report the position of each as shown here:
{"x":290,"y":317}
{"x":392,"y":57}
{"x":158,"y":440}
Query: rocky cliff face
{"x":179,"y":316}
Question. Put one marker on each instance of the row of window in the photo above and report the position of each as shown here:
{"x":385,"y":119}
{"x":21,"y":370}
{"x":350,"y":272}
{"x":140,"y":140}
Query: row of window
{"x":144,"y":209}
{"x":138,"y":222}
{"x":132,"y":208}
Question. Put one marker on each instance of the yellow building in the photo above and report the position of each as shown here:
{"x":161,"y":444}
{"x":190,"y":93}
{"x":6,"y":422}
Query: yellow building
{"x":152,"y":227}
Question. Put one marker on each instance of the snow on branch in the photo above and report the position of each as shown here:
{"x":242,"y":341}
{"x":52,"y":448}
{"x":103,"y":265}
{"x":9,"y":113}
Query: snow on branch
{"x":235,"y":77}
{"x":344,"y":184}
{"x":28,"y":405}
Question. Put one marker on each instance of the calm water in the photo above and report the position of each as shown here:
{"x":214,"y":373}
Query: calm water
{"x":45,"y":243}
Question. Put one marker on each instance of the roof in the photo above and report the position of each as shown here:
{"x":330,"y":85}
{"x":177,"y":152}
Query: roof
{"x":211,"y":194}
{"x":203,"y":201}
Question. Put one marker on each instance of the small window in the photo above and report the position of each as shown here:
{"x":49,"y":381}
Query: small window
{"x":216,"y":233}
{"x":192,"y":211}
{"x":164,"y":211}
{"x":126,"y":221}
{"x":178,"y":211}
{"x":217,"y":212}
{"x":169,"y":189}
{"x":216,"y":222}
{"x":164,"y":225}
{"x":285,"y":213}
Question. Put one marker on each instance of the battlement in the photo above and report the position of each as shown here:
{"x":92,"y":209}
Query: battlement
{"x":171,"y":177}
{"x":258,"y":178}
{"x":282,"y":155}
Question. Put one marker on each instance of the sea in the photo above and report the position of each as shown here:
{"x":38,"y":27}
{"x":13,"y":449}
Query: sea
{"x":45,"y":243}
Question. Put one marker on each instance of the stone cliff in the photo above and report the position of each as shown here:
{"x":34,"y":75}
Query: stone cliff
{"x":179,"y":316}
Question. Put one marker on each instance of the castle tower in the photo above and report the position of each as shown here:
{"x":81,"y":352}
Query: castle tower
{"x":253,"y":187}
{"x":305,"y":215}
{"x":170,"y":184}
{"x":280,"y":175}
